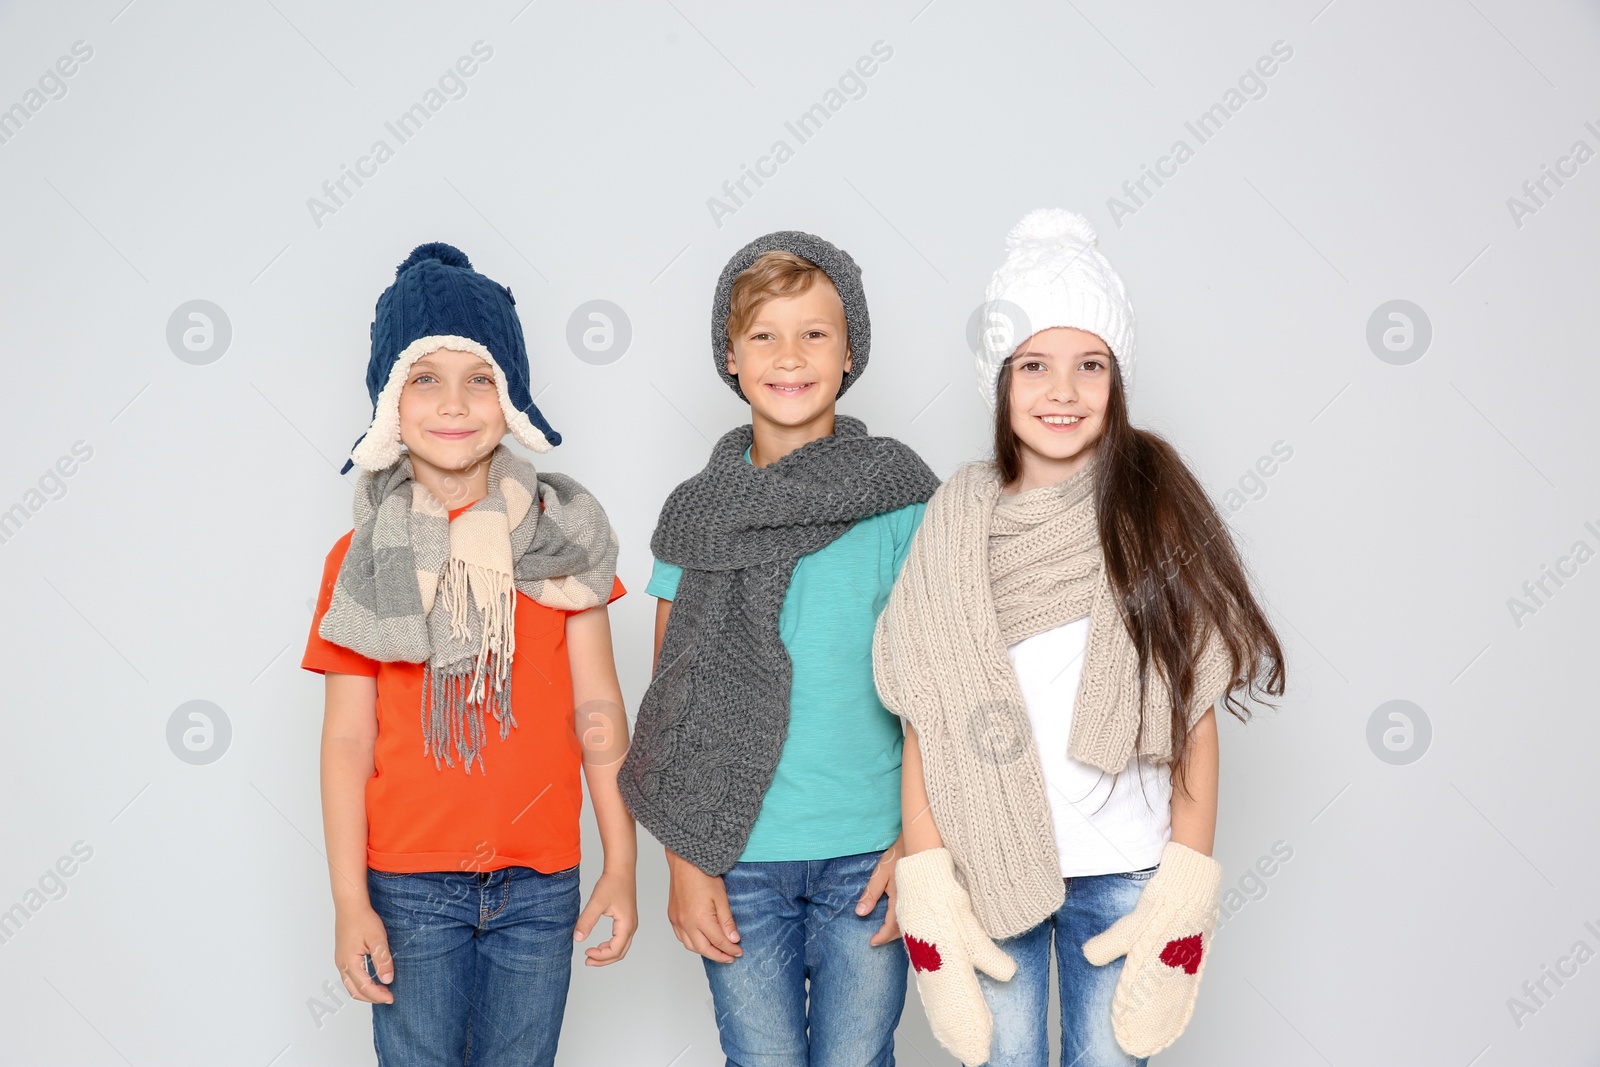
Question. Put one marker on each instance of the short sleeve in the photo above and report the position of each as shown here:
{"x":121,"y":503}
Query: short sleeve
{"x":617,"y":590}
{"x":664,"y":579}
{"x":906,"y":522}
{"x":1213,"y":675}
{"x":321,"y":654}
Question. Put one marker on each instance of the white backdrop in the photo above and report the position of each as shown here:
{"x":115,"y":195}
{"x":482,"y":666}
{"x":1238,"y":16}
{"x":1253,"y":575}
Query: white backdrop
{"x":1404,"y":487}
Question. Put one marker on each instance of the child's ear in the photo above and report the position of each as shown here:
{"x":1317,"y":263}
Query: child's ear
{"x":733,"y":367}
{"x":847,"y":359}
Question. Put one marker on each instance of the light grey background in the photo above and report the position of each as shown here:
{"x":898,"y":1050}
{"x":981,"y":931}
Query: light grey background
{"x":176,"y":563}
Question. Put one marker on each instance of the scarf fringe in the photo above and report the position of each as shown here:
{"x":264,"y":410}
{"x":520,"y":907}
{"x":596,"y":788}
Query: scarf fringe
{"x":496,"y":598}
{"x":562,"y":553}
{"x":454,"y":702}
{"x":453,"y":711}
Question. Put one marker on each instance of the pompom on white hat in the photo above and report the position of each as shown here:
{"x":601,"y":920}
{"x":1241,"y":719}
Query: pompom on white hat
{"x":1053,"y":275}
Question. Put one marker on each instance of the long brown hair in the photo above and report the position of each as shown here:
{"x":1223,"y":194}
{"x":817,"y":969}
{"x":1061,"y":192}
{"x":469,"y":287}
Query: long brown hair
{"x":1169,"y":558}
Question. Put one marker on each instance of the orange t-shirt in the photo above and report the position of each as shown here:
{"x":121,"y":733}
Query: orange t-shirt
{"x":522,"y":808}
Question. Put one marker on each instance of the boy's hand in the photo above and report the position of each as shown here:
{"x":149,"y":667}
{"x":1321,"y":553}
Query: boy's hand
{"x":697,"y":908}
{"x":881,"y":882}
{"x":615,"y":896}
{"x":357,"y":934}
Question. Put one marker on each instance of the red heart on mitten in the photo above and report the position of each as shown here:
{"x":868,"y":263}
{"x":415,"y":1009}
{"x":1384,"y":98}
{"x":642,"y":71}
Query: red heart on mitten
{"x":1183,"y":952}
{"x":924,"y":954}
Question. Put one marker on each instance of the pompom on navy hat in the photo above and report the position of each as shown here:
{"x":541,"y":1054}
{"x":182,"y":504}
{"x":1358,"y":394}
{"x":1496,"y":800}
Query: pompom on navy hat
{"x":438,"y":301}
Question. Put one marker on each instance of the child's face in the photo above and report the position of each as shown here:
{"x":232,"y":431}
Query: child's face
{"x":450,"y":414}
{"x":792,"y":357}
{"x":1060,"y":385}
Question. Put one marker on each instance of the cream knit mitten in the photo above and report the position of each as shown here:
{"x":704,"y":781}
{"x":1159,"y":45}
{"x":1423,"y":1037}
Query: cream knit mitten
{"x":1166,"y":937}
{"x":945,"y":943}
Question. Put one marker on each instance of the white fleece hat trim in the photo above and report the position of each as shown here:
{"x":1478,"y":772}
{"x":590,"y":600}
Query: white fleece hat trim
{"x":1053,"y":275}
{"x":381,"y":446}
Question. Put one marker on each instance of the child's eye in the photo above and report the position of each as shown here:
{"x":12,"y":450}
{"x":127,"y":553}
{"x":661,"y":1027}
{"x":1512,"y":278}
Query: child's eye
{"x":421,"y":377}
{"x":484,"y":378}
{"x":1092,"y":364}
{"x":1033,"y":365}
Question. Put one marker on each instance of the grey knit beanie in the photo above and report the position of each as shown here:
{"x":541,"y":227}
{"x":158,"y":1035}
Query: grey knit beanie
{"x":835,"y":263}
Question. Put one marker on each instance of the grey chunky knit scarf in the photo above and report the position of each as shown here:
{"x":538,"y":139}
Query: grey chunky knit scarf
{"x":712,"y":724}
{"x":985,"y":572}
{"x":411,"y":578}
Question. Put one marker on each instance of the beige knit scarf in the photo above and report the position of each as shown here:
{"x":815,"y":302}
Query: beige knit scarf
{"x":985,"y":572}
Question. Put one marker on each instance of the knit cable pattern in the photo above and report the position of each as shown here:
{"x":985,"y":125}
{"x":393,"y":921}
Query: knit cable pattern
{"x":712,"y":724}
{"x":984,"y":573}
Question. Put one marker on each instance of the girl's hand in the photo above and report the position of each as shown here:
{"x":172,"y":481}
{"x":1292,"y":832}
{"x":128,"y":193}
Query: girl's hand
{"x":881,"y":882}
{"x":1167,"y":940}
{"x":697,"y":908}
{"x":357,"y":934}
{"x":614,"y":896}
{"x":948,"y":947}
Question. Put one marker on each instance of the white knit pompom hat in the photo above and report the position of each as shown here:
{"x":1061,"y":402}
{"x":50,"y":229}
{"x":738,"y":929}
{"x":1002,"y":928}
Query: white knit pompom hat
{"x":1053,"y":275}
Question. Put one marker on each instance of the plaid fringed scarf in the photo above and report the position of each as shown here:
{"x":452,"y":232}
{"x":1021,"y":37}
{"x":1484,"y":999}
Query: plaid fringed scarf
{"x":409,"y":584}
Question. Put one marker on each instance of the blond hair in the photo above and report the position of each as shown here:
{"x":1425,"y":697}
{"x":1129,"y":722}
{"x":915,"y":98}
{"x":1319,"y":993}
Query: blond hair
{"x":774,"y":274}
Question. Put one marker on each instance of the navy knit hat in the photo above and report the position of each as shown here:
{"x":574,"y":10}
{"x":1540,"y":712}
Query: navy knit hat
{"x":835,"y":262}
{"x":438,"y":301}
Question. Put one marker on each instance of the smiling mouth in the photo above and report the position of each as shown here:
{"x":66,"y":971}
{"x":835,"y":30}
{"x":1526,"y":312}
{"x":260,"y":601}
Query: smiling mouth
{"x":452,"y":435}
{"x":790,"y":388}
{"x":1060,"y":422}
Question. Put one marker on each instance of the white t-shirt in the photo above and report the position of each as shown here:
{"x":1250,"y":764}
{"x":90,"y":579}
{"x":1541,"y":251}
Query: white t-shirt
{"x":1103,"y":823}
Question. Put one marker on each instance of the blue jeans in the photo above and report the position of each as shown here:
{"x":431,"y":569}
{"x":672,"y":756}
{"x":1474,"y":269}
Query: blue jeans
{"x":481,"y":966}
{"x":1093,"y":903}
{"x":797,"y":923}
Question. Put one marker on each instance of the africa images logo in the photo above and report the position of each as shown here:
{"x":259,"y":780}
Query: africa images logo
{"x":451,"y":85}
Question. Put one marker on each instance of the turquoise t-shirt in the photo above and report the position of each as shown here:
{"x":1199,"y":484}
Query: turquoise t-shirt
{"x":836,"y":790}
